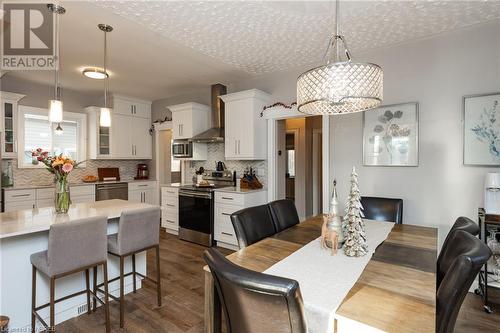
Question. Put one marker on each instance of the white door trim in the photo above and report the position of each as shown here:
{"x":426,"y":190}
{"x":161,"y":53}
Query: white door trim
{"x":279,"y":113}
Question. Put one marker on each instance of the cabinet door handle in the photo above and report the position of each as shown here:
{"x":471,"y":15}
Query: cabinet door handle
{"x":142,"y":185}
{"x":239,"y":151}
{"x":170,"y":221}
{"x":20,"y":195}
{"x":226,"y":214}
{"x":170,"y":205}
{"x":226,"y":233}
{"x":227,"y":198}
{"x":235,"y":147}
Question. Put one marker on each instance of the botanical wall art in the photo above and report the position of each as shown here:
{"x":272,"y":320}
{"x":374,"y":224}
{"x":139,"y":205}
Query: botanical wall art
{"x":390,"y":135}
{"x":481,"y":121}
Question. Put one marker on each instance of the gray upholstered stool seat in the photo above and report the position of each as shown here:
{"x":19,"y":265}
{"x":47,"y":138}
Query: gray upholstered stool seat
{"x":72,"y":247}
{"x":138,"y":230}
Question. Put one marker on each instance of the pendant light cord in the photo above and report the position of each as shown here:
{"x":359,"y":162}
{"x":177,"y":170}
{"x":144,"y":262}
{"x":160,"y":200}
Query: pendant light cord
{"x":57,"y":58}
{"x":335,"y":40}
{"x":105,"y":72}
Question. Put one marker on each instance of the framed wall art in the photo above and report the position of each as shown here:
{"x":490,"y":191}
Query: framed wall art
{"x":390,"y":135}
{"x":481,"y":125}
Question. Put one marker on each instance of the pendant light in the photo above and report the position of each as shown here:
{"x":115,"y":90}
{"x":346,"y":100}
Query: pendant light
{"x":105,"y":116}
{"x":342,"y":85}
{"x":56,"y":105}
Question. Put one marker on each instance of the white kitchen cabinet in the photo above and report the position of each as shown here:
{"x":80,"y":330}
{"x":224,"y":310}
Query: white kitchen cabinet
{"x":99,"y":138}
{"x":131,"y":106}
{"x":245,"y":129}
{"x":128,"y":137}
{"x":170,"y":209}
{"x":189,"y":119}
{"x":228,"y":202}
{"x":8,"y":121}
{"x":144,"y":192}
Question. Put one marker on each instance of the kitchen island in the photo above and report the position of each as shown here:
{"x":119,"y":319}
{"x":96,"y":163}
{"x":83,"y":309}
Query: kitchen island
{"x":25,"y":232}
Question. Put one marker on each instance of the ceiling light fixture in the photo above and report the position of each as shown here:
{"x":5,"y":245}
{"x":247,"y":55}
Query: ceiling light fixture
{"x":56,"y":105}
{"x":342,"y":85}
{"x":105,"y":116}
{"x":59,"y":130}
{"x":95,"y":73}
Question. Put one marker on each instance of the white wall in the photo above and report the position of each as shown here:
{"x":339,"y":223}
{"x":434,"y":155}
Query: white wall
{"x":436,"y":72}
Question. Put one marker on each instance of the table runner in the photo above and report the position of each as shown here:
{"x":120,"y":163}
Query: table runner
{"x":324,"y":279}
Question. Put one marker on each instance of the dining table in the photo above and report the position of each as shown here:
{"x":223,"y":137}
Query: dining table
{"x":395,"y":291}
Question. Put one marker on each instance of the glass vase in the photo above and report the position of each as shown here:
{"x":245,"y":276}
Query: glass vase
{"x":62,"y":198}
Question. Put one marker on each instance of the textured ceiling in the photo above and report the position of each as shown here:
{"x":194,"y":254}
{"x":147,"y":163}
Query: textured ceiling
{"x":266,"y":36}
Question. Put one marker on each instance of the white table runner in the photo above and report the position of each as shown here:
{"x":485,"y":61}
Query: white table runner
{"x":324,"y":279}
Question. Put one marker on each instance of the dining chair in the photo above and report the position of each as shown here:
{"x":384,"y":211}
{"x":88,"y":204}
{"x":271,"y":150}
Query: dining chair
{"x":383,"y":209}
{"x":460,"y":264}
{"x":252,"y":224}
{"x":253,"y":301}
{"x":284,"y":214}
{"x":462,"y":223}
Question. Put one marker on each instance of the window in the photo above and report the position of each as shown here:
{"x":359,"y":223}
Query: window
{"x":35,"y":131}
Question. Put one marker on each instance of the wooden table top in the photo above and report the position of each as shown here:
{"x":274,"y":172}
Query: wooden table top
{"x":395,"y":293}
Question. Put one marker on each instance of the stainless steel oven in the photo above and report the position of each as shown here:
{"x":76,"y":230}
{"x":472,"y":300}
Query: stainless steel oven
{"x":182,"y":149}
{"x":196,"y":216}
{"x":111,"y":191}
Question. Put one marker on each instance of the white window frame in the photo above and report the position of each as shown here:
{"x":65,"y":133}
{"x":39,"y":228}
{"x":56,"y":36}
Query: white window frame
{"x":81,"y":120}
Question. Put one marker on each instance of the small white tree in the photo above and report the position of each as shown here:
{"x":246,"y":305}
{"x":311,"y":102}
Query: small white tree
{"x":354,"y":230}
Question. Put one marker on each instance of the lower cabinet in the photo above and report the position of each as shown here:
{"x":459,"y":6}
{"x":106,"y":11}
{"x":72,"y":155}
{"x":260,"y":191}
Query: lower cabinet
{"x":143,"y":192}
{"x":44,"y":197}
{"x":170,"y":209}
{"x":228,"y":202}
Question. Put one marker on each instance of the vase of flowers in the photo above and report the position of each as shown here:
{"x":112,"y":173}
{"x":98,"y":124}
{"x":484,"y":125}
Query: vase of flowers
{"x":60,"y":166}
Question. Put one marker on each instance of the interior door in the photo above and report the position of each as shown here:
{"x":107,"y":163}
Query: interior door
{"x":122,"y":138}
{"x":141,"y":138}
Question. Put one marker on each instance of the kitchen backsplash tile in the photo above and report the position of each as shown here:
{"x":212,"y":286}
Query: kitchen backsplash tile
{"x":216,"y":153}
{"x":29,"y":177}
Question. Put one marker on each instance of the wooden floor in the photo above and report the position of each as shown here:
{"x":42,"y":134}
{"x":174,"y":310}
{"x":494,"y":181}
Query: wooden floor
{"x":183,"y":299}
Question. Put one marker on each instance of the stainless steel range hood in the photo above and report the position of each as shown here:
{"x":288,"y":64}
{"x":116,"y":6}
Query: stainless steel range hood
{"x":216,"y":133}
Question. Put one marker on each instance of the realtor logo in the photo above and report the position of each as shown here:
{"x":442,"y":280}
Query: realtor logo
{"x":27,"y":37}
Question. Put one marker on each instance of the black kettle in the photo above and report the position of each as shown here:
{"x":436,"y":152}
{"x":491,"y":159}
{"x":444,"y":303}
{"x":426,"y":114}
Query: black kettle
{"x":220,"y":166}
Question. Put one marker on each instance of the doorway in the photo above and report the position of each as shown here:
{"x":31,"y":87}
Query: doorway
{"x":300,"y":163}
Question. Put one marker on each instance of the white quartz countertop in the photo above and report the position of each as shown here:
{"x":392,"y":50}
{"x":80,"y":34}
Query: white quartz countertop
{"x":233,"y":189}
{"x":80,"y":183}
{"x":29,"y":221}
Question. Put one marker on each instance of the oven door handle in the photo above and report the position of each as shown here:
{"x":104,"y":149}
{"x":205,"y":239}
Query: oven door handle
{"x":195,"y":195}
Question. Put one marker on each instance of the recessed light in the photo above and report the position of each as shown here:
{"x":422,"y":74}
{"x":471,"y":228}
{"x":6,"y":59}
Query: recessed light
{"x":95,"y":73}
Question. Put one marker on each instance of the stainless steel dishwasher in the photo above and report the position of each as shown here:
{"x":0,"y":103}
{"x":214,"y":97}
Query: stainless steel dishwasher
{"x":111,"y":191}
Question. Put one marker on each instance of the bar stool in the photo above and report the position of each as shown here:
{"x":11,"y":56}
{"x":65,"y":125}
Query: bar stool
{"x":73,"y":247}
{"x":138,"y":231}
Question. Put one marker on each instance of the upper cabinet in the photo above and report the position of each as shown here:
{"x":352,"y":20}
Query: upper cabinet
{"x":128,"y":137}
{"x":245,"y":130}
{"x":189,"y":119}
{"x":8,"y":123}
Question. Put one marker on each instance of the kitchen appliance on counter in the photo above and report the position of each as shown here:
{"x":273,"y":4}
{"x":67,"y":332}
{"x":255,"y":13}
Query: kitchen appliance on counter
{"x":111,"y":191}
{"x":182,"y":149}
{"x":196,"y":208}
{"x":142,"y":171}
{"x":106,"y":174}
{"x":492,"y":193}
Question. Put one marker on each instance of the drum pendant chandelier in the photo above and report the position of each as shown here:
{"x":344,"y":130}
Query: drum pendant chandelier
{"x":341,"y":86}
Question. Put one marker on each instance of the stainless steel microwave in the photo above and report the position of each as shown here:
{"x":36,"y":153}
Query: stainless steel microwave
{"x":182,"y":149}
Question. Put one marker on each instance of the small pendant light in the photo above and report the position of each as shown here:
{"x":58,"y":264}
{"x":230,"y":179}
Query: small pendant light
{"x":56,"y":105}
{"x":105,"y":116}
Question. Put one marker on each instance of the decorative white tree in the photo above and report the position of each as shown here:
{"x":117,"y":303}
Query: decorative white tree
{"x":354,"y":230}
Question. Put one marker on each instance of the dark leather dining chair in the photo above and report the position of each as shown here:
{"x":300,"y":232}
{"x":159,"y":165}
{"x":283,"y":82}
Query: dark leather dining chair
{"x":252,"y":224}
{"x":383,"y":209}
{"x":462,"y":223}
{"x":253,"y":301}
{"x":460,"y":265}
{"x":284,"y":214}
